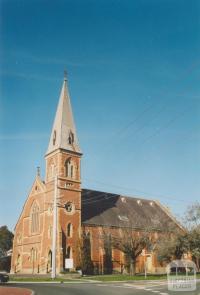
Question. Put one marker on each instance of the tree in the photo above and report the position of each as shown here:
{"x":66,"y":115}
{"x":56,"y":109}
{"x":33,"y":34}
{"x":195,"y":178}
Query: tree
{"x":6,"y":240}
{"x":194,"y":245}
{"x":177,"y":242}
{"x":84,"y":261}
{"x":192,"y":216}
{"x":172,"y":245}
{"x":192,"y":221}
{"x":107,"y":253}
{"x":131,"y":243}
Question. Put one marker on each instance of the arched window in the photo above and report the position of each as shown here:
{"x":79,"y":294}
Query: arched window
{"x":69,"y":168}
{"x":72,"y":171}
{"x":69,"y":230}
{"x":69,"y":252}
{"x":71,"y":138}
{"x":54,"y":137}
{"x":35,"y":218}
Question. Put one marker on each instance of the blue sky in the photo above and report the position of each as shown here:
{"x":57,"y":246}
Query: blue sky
{"x":133,"y":70}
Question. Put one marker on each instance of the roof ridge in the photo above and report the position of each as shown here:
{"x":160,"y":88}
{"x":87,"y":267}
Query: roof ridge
{"x":120,"y":195}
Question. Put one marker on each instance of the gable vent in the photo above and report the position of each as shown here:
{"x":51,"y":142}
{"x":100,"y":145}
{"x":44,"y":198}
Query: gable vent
{"x":123,"y":199}
{"x":123,"y":218}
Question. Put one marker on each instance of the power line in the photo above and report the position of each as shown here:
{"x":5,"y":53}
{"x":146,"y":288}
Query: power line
{"x":146,"y":123}
{"x":137,"y":190}
{"x":152,"y":119}
{"x":135,"y":120}
{"x":153,"y":104}
{"x":181,"y":77}
{"x":165,"y":126}
{"x":98,"y":200}
{"x":94,"y":199}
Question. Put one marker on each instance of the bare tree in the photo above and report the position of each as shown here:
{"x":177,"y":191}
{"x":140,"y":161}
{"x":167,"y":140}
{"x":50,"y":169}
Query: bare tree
{"x":192,"y":216}
{"x":131,"y":243}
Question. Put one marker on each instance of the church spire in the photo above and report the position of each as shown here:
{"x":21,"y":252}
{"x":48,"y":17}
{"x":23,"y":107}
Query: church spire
{"x":63,"y":134}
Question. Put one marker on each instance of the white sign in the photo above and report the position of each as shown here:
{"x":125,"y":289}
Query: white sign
{"x":69,"y":263}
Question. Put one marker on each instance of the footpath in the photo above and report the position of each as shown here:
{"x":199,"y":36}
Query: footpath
{"x":4,"y":290}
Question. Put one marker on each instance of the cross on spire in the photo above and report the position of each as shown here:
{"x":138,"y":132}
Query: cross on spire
{"x":38,"y":171}
{"x":65,"y":75}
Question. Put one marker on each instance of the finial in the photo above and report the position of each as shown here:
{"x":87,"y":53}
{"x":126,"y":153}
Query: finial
{"x":38,"y":171}
{"x":65,"y":75}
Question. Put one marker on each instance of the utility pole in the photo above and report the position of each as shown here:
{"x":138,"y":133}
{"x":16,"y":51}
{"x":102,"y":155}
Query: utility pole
{"x":145,"y":262}
{"x":53,"y":273}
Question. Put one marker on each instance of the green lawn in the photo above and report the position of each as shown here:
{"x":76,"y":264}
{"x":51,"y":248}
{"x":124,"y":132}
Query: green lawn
{"x":36,"y":279}
{"x":120,"y":277}
{"x":107,"y":278}
{"x":101,"y":278}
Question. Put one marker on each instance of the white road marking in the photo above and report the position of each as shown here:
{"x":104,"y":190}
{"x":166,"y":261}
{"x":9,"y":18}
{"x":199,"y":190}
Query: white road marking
{"x":114,"y":286}
{"x":126,"y":287}
{"x":133,"y":286}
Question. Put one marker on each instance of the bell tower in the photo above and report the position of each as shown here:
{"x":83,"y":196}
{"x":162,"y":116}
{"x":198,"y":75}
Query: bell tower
{"x":63,"y":159}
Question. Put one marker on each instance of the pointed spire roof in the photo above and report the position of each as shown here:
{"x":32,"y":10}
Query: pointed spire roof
{"x":63,"y":134}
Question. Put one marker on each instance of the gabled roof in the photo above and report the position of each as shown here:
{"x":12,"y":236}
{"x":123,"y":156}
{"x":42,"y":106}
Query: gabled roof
{"x":63,"y":134}
{"x":107,"y":209}
{"x":37,"y":188}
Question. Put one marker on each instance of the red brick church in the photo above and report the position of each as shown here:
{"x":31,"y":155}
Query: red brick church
{"x":78,"y":210}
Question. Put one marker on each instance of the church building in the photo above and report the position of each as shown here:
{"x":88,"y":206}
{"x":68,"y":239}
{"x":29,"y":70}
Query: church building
{"x":80,"y":212}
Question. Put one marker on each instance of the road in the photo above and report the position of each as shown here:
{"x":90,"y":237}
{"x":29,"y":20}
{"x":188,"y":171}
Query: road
{"x":118,"y":288}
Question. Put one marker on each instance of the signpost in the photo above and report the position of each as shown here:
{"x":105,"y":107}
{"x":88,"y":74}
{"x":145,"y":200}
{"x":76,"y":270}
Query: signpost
{"x":145,"y":262}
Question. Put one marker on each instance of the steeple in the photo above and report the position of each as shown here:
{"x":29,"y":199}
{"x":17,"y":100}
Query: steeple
{"x":63,"y":134}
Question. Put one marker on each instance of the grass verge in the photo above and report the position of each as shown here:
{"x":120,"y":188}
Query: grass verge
{"x":101,"y":278}
{"x":32,"y":279}
{"x":107,"y":278}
